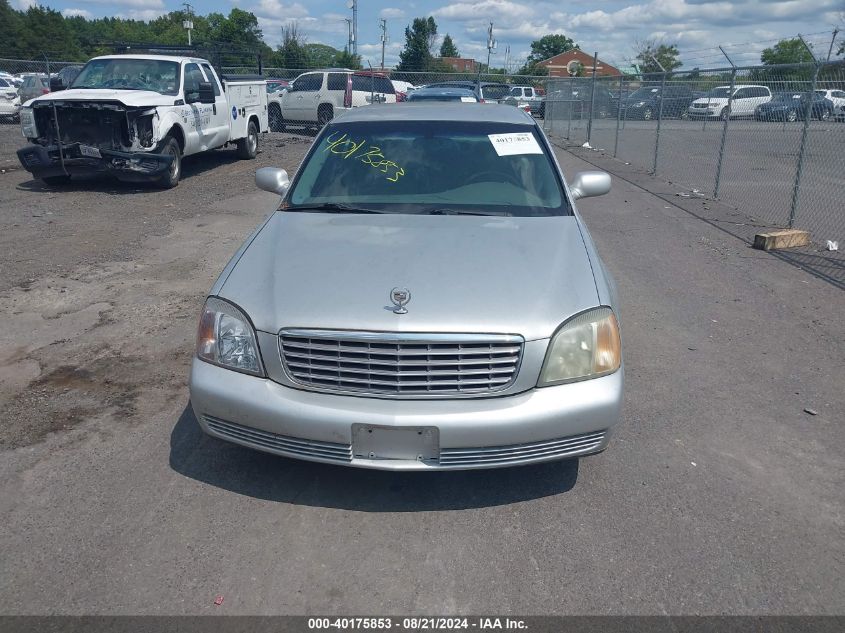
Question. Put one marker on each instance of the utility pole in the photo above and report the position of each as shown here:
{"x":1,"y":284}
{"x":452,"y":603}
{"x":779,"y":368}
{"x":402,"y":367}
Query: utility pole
{"x":188,"y":22}
{"x":382,"y":23}
{"x":353,"y":4}
{"x":832,"y":40}
{"x":507,"y":58}
{"x":348,"y":34}
{"x":491,"y":44}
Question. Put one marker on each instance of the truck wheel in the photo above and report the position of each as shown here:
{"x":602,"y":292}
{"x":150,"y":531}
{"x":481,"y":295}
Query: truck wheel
{"x":56,"y":181}
{"x":824,"y":115}
{"x":725,"y":114}
{"x":324,"y":115}
{"x":275,"y":120}
{"x":170,"y":178}
{"x":248,"y":146}
{"x":648,"y":114}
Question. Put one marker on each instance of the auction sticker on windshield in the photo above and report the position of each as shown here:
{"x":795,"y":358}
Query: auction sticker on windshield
{"x":515,"y":143}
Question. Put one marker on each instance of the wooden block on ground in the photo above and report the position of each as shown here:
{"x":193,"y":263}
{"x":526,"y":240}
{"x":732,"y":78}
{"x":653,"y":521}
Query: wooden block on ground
{"x":788,"y":238}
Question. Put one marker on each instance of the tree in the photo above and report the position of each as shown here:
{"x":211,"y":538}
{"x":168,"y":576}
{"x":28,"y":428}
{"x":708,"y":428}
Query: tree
{"x":320,"y":55}
{"x":419,"y":40}
{"x":549,"y":46}
{"x":666,"y":54}
{"x":789,"y":51}
{"x":291,"y":52}
{"x":577,"y":70}
{"x":345,"y":59}
{"x":448,"y":48}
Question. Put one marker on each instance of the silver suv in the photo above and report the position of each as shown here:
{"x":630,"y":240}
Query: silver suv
{"x":317,"y":97}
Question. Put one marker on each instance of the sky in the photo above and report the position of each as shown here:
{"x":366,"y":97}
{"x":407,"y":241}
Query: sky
{"x":612,"y":27}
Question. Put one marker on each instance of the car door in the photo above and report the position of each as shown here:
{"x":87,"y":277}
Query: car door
{"x":196,"y":121}
{"x":742,"y":103}
{"x":303,"y":99}
{"x":220,"y":115}
{"x":759,"y":96}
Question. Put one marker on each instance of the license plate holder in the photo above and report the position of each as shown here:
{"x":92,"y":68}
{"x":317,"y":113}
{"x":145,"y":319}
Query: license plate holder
{"x":404,"y":443}
{"x":90,"y":152}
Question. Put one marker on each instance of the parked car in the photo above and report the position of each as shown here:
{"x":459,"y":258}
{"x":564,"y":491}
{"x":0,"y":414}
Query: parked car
{"x":576,"y":101}
{"x":485,"y":91}
{"x":316,"y":97}
{"x":402,"y":88}
{"x":837,"y":99}
{"x":528,"y":95}
{"x":64,"y":78}
{"x":135,"y":117}
{"x":646,"y":102}
{"x":10,"y":102}
{"x":718,"y":103}
{"x":337,"y":333}
{"x":34,"y":85}
{"x":12,"y":79}
{"x":442,"y":94}
{"x":276,"y":85}
{"x":792,"y":106}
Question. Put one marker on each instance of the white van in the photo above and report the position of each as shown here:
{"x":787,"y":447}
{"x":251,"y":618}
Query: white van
{"x":743,"y":102}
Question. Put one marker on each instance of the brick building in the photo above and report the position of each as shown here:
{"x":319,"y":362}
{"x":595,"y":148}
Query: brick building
{"x":564,"y":64}
{"x":460,"y":64}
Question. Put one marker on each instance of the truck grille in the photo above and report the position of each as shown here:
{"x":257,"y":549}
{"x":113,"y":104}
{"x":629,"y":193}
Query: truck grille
{"x":401,"y":364}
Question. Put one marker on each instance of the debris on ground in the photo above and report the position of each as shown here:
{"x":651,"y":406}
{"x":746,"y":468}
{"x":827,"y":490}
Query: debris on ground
{"x":218,"y":600}
{"x":811,"y":411}
{"x":832,"y":246}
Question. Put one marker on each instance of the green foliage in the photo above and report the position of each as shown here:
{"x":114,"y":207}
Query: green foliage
{"x":419,"y":40}
{"x":549,"y":46}
{"x":448,"y":48}
{"x":345,"y":59}
{"x":789,"y":51}
{"x":666,"y":54}
{"x":535,"y":69}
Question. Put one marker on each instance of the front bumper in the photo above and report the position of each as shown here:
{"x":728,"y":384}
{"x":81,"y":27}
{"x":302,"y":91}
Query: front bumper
{"x":9,"y":108}
{"x":535,"y":426}
{"x":44,"y":161}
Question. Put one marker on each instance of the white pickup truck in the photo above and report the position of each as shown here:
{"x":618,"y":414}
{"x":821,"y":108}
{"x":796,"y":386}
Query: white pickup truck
{"x":136,"y":116}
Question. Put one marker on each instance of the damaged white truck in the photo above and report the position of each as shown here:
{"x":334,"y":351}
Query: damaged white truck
{"x":135,"y":117}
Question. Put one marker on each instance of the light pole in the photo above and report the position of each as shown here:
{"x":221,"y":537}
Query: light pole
{"x":353,"y":4}
{"x":348,"y":34}
{"x":188,"y":23}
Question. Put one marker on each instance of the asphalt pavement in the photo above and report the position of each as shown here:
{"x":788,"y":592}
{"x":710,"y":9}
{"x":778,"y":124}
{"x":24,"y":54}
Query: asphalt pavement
{"x":720,"y":494}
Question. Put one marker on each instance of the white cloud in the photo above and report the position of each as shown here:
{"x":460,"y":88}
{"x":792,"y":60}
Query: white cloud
{"x":74,"y":13}
{"x":23,"y":5}
{"x":391,"y":13}
{"x":145,"y":15}
{"x":144,"y":5}
{"x":273,"y":9}
{"x":484,"y":10}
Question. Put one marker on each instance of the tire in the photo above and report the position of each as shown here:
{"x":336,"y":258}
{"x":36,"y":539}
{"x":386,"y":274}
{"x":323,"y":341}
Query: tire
{"x":274,"y":117}
{"x":824,"y":115}
{"x":792,"y":116}
{"x":324,"y":114}
{"x":171,"y":177}
{"x":684,"y":115}
{"x":725,"y":113}
{"x":56,"y":181}
{"x":248,"y":146}
{"x":648,"y":114}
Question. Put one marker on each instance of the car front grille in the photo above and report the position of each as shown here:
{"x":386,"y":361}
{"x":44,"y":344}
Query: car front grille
{"x":521,"y":453}
{"x":279,"y":443}
{"x":401,"y":364}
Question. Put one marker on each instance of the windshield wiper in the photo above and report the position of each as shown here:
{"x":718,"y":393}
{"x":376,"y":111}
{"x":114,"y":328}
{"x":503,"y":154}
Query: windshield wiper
{"x":332,"y":207}
{"x":445,"y":211}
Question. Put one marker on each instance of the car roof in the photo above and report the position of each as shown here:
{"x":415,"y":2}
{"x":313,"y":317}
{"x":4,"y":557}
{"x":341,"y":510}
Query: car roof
{"x":444,"y":111}
{"x":166,"y":58}
{"x":458,"y":92}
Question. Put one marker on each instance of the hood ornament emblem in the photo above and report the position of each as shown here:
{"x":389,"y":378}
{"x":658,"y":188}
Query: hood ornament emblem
{"x":400,"y":298}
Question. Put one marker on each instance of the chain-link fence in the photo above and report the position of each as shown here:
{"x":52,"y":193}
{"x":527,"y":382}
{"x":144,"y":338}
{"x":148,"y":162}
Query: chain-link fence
{"x":767,"y":139}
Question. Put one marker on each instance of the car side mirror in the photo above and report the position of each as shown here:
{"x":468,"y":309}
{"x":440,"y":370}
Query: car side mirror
{"x":206,"y":92}
{"x":56,"y":84}
{"x":273,"y":180}
{"x":588,"y":184}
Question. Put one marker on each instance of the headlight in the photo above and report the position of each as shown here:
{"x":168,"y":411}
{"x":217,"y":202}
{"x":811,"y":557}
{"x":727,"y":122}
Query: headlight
{"x":640,"y":104}
{"x":226,"y":338}
{"x":28,"y":128}
{"x":586,"y":346}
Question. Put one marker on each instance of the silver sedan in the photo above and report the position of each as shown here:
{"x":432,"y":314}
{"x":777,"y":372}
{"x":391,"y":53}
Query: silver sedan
{"x":425,"y":297}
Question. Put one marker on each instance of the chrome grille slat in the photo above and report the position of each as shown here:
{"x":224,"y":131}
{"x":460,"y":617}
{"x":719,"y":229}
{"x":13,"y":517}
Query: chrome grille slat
{"x":282,"y":443}
{"x":400,"y":364}
{"x":520,"y":452}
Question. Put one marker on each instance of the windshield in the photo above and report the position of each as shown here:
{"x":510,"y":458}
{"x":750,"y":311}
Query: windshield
{"x":424,"y":167}
{"x":644,"y":93}
{"x":495,"y":91}
{"x":130,"y":74}
{"x":786,"y":96}
{"x":719,"y":93}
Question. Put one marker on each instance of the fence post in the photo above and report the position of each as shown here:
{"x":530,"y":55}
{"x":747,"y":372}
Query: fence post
{"x":725,"y":126}
{"x":659,"y":115}
{"x":793,"y":209}
{"x":569,"y":122}
{"x":47,"y":62}
{"x":618,"y":117}
{"x":592,"y":98}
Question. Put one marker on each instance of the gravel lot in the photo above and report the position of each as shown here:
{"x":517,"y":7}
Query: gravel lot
{"x":719,"y":494}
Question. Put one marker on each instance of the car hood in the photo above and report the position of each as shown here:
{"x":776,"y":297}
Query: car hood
{"x":465,"y":273}
{"x":142,"y":98}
